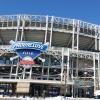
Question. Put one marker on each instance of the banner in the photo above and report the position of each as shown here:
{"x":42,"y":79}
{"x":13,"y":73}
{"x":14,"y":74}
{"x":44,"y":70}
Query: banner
{"x":28,"y":51}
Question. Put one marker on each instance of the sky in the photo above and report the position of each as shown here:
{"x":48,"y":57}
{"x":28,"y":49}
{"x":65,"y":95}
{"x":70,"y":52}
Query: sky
{"x":86,"y":10}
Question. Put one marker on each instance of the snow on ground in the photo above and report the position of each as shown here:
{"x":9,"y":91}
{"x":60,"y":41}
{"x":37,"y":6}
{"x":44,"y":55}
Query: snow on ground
{"x":48,"y":98}
{"x":56,"y":98}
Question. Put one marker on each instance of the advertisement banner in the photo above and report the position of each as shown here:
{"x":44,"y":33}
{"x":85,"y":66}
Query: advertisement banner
{"x":28,"y":50}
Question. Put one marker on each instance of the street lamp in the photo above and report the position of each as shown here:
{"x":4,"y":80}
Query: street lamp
{"x":85,"y":73}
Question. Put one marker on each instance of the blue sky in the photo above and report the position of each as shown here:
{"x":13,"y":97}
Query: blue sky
{"x":86,"y":10}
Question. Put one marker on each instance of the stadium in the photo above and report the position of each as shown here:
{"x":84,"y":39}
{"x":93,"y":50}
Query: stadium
{"x":70,"y":65}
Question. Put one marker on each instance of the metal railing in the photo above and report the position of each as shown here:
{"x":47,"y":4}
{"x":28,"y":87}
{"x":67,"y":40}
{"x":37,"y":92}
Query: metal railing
{"x":59,"y":24}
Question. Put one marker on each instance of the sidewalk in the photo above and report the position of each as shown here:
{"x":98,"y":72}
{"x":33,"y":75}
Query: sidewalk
{"x":81,"y":99}
{"x":48,"y":98}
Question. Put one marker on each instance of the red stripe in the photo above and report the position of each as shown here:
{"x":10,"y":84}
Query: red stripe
{"x":26,"y":62}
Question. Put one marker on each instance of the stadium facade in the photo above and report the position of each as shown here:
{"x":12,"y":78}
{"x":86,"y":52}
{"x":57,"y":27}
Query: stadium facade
{"x":72,"y":61}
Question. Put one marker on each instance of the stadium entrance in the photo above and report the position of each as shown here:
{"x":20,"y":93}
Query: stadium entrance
{"x":44,"y":90}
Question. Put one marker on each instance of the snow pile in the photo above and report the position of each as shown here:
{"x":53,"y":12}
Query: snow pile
{"x":47,"y":98}
{"x":56,"y":98}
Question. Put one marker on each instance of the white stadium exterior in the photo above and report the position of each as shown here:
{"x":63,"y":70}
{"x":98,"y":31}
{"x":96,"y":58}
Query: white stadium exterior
{"x":72,"y":61}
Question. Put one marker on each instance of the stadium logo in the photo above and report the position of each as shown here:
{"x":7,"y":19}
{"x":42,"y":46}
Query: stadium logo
{"x":28,"y":51}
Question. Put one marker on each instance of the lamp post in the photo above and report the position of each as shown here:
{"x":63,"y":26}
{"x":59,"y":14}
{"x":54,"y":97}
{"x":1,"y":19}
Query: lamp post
{"x":85,"y":73}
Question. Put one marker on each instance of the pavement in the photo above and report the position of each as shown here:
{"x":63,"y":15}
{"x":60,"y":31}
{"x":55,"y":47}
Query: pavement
{"x":81,"y":99}
{"x":48,"y":98}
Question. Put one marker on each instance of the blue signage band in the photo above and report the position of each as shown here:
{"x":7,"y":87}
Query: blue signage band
{"x":28,"y":50}
{"x":29,"y":45}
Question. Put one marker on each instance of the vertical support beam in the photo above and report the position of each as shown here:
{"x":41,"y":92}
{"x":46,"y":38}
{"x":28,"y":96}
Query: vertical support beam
{"x":46,"y":30}
{"x":98,"y":70}
{"x":62,"y":65}
{"x":7,"y":23}
{"x":17,"y":70}
{"x":52,"y":20}
{"x":99,"y":38}
{"x":99,"y":59}
{"x":12,"y":22}
{"x":77,"y":62}
{"x":95,"y":39}
{"x":30,"y":73}
{"x":94,"y":71}
{"x":68,"y":67}
{"x":67,"y":73}
{"x":49,"y":66}
{"x":42,"y":70}
{"x":23,"y":25}
{"x":24,"y":73}
{"x":73,"y":35}
{"x":11,"y":69}
{"x":75,"y":46}
{"x":2,"y":23}
{"x":18,"y":26}
{"x":78,"y":31}
{"x":72,"y":77}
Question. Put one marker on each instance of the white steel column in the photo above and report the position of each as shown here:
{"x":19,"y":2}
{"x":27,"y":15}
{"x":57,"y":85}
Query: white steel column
{"x":99,"y":38}
{"x":77,"y":64}
{"x":78,"y":31}
{"x":62,"y":66}
{"x":94,"y":71}
{"x":72,"y":78}
{"x":17,"y":70}
{"x":49,"y":67}
{"x":73,"y":35}
{"x":98,"y":69}
{"x":99,"y":59}
{"x":23,"y":25}
{"x":42,"y":69}
{"x":95,"y":39}
{"x":46,"y":30}
{"x":52,"y":20}
{"x":11,"y":69}
{"x":18,"y":26}
{"x":24,"y":73}
{"x":68,"y":67}
{"x":30,"y":72}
